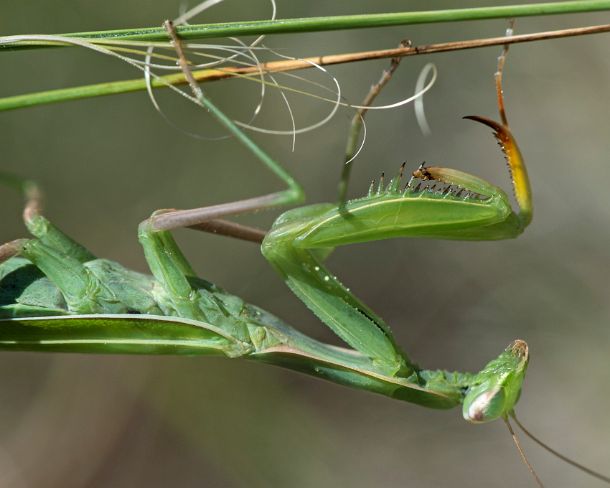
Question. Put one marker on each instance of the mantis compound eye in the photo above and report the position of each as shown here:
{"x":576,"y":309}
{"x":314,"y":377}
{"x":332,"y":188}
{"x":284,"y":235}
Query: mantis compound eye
{"x":484,"y":406}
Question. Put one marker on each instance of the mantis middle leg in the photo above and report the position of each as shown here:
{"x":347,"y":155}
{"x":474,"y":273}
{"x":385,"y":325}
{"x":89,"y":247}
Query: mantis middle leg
{"x":208,"y":218}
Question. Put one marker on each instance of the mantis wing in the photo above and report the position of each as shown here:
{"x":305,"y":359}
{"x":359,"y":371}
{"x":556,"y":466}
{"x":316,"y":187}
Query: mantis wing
{"x":150,"y":334}
{"x":118,"y":334}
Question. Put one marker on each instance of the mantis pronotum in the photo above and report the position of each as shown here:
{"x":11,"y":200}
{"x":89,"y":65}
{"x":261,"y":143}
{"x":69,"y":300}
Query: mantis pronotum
{"x":56,"y":295}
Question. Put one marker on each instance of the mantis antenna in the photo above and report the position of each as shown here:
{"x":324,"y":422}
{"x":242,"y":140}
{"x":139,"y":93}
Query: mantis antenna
{"x":546,"y":447}
{"x":522,"y":452}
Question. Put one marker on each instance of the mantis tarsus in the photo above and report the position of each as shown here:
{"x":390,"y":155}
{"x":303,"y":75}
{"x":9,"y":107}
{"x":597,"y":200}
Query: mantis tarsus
{"x":56,"y":295}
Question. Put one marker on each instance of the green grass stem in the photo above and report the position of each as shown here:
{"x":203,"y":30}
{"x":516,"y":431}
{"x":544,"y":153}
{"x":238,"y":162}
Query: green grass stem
{"x":329,"y":23}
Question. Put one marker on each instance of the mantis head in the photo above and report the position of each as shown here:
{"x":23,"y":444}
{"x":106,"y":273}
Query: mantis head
{"x":496,"y":389}
{"x":494,"y":393}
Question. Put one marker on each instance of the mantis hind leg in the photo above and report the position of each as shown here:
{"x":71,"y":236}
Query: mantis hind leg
{"x":58,"y":256}
{"x":81,"y":290}
{"x":39,"y":226}
{"x":11,"y":249}
{"x":87,"y":284}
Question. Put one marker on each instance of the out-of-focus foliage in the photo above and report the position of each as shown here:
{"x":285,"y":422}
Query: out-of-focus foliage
{"x":105,"y":164}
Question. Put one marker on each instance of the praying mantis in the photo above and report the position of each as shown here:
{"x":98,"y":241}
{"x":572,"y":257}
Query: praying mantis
{"x":56,"y":295}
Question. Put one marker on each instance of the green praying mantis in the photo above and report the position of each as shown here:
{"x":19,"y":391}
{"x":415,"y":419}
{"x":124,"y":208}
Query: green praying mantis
{"x":56,"y":296}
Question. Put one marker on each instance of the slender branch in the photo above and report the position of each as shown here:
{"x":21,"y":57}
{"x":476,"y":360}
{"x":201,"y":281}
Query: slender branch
{"x":127,"y":86}
{"x":317,"y":24}
{"x":358,"y":121}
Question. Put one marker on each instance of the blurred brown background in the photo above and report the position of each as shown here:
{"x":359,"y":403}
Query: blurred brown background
{"x":105,"y":164}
